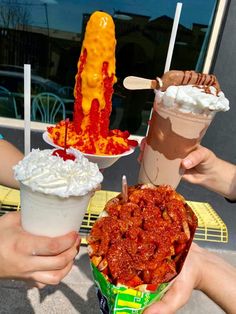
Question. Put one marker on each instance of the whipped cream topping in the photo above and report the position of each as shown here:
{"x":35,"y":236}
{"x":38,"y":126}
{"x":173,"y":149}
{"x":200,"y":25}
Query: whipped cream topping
{"x":189,"y":98}
{"x":49,"y":174}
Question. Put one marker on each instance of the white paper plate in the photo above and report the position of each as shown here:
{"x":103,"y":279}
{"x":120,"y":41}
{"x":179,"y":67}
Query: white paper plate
{"x":101,"y":160}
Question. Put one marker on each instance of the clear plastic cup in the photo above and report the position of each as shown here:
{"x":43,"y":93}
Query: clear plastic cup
{"x":172,"y":135}
{"x":51,"y":215}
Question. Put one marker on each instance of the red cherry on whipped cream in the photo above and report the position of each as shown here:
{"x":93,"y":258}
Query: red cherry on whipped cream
{"x":63,"y":154}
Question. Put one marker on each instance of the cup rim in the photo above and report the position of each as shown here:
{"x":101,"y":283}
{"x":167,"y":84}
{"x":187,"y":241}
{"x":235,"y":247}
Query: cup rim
{"x":187,"y":115}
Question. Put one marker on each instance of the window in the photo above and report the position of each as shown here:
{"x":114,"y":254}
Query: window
{"x":48,"y":34}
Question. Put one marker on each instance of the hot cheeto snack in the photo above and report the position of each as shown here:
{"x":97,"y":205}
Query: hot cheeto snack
{"x":141,"y":244}
{"x":89,"y":132}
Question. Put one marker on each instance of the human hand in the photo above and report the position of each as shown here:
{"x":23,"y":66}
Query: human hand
{"x":9,"y":157}
{"x":37,"y":259}
{"x":203,"y":167}
{"x":205,"y":271}
{"x":181,"y":290}
{"x":142,"y":147}
{"x":198,"y":165}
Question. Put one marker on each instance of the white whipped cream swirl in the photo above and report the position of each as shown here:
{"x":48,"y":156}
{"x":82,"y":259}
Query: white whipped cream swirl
{"x":189,"y":98}
{"x":49,"y":174}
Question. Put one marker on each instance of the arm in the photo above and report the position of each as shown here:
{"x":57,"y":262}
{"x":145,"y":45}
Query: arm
{"x":9,"y":156}
{"x":204,"y":271}
{"x":35,"y":259}
{"x":204,"y":168}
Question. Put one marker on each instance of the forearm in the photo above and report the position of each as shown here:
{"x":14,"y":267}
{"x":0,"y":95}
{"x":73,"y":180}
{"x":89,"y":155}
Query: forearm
{"x":9,"y":156}
{"x":219,"y":282}
{"x":222,"y":179}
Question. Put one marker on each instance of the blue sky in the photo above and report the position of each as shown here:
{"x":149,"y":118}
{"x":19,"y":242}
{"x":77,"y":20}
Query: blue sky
{"x":67,"y":14}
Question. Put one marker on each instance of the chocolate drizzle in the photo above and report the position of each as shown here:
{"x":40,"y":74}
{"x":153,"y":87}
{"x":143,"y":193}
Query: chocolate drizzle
{"x":189,"y":78}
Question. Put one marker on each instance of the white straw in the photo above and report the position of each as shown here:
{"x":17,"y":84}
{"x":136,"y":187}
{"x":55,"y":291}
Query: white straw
{"x":27,"y":105}
{"x":171,"y":45}
{"x":173,"y":36}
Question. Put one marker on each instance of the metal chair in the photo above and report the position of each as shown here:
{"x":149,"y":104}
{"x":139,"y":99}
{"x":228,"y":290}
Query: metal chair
{"x":66,"y":92}
{"x":8,"y":107}
{"x":48,"y":108}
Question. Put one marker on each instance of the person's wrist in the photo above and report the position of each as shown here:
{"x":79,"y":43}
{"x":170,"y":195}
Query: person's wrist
{"x":208,"y":265}
{"x":225,"y":179}
{"x":201,"y":283}
{"x":212,"y":177}
{"x":195,"y":261}
{"x":198,"y":260}
{"x":232,"y":186}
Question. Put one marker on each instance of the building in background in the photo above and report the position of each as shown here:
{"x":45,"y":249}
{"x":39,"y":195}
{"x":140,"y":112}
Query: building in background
{"x":28,"y":34}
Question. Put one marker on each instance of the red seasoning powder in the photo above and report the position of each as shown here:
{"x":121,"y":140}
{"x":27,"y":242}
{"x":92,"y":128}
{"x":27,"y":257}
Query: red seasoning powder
{"x":145,"y":240}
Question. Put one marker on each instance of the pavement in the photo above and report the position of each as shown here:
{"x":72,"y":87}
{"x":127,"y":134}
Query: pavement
{"x":76,"y":294}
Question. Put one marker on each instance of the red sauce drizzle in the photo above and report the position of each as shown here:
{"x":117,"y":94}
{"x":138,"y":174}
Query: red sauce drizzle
{"x":108,"y":91}
{"x":78,"y":111}
{"x":63,"y":153}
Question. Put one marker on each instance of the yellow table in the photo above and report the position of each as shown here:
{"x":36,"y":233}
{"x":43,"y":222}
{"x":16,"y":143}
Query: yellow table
{"x":210,"y":226}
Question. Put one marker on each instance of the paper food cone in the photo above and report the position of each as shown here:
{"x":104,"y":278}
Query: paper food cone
{"x":122,"y":299}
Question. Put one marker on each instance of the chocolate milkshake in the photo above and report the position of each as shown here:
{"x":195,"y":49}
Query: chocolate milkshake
{"x":180,"y":118}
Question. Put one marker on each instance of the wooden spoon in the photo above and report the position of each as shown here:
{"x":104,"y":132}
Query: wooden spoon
{"x":124,"y":190}
{"x":135,"y":82}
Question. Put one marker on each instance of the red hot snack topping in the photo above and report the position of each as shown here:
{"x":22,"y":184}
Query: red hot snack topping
{"x":89,"y":131}
{"x":177,"y":78}
{"x":63,"y":154}
{"x":145,"y":240}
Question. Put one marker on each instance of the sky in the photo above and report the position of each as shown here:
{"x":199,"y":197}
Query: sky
{"x":67,"y":14}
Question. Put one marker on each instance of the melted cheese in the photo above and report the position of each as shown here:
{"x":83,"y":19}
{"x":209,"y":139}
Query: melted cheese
{"x":100,"y":43}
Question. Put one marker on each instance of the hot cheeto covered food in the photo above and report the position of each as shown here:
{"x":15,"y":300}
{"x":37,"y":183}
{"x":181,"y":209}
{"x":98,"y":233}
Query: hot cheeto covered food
{"x":143,"y":242}
{"x":89,"y":132}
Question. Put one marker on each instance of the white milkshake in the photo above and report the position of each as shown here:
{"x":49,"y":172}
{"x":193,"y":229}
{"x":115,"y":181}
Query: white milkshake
{"x":55,"y":192}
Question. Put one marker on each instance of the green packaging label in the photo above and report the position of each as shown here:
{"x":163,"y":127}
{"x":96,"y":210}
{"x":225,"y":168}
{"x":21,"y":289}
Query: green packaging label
{"x":123,"y":300}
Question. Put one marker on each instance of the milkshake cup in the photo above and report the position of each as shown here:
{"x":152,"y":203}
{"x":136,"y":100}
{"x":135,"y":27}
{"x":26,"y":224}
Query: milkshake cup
{"x":54,"y":192}
{"x":51,"y":215}
{"x":180,"y":118}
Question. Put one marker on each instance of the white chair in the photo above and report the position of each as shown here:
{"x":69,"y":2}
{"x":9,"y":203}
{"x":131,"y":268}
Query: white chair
{"x":48,"y":108}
